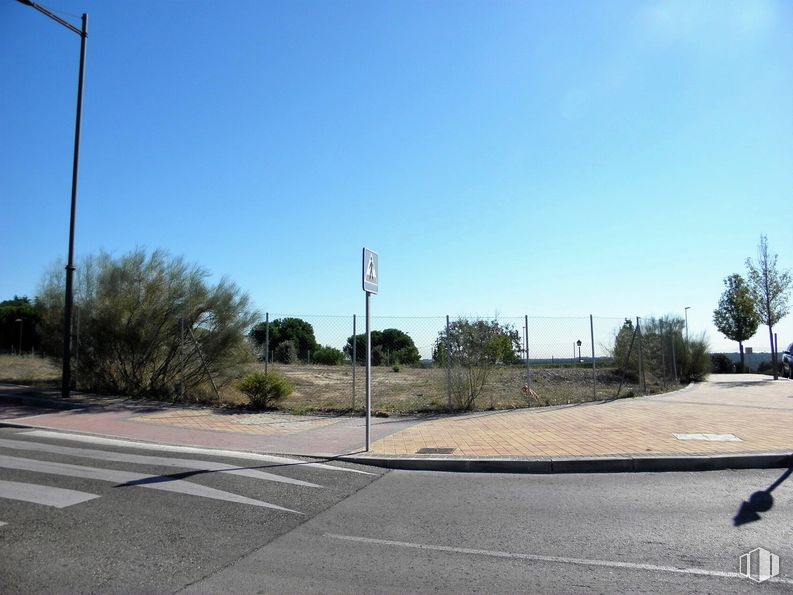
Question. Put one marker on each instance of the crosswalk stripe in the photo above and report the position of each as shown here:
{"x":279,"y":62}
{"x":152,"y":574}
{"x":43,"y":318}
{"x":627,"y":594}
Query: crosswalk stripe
{"x":251,"y":456}
{"x":39,"y":494}
{"x":127,"y":478}
{"x":117,"y":457}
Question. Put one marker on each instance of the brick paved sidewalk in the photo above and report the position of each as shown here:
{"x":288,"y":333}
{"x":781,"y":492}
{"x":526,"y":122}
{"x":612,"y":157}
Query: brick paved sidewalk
{"x":728,"y":414}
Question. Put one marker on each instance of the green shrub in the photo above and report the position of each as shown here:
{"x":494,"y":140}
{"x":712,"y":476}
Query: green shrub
{"x":262,"y":387}
{"x":721,"y":364}
{"x":286,"y":352}
{"x":327,"y":356}
{"x":695,"y":363}
{"x":396,"y":368}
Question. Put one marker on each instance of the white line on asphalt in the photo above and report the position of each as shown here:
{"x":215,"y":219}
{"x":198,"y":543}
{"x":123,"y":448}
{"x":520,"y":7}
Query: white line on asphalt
{"x":552,"y":559}
{"x":153,"y":482}
{"x":2,"y":524}
{"x":118,"y":457}
{"x":251,"y":456}
{"x":39,"y":494}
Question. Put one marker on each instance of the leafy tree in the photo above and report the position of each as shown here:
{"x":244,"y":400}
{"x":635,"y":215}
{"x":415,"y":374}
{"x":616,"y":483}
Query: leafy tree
{"x":18,"y":308}
{"x":721,"y":364}
{"x":770,"y":289}
{"x":297,"y":330}
{"x":390,"y":346}
{"x":736,"y":317}
{"x":474,"y":347}
{"x":131,"y":311}
{"x":328,"y":356}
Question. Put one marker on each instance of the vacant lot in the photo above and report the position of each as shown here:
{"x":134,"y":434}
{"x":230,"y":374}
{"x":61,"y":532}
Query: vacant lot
{"x":409,"y":390}
{"x":29,"y":369}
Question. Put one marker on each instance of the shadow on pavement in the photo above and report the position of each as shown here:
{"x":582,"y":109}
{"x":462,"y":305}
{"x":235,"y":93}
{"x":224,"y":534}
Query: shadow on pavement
{"x":761,"y":501}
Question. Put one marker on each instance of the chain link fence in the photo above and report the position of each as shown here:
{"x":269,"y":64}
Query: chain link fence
{"x":542,"y":361}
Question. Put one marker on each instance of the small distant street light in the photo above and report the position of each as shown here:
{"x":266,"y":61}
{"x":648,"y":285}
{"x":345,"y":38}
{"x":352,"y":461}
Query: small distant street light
{"x":20,"y":321}
{"x":66,"y":379}
{"x":579,"y":350}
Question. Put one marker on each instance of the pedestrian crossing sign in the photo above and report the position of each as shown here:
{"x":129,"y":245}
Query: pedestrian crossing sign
{"x":370,"y":272}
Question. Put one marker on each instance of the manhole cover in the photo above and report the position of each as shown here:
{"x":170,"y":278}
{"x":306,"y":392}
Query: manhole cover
{"x":709,"y":437}
{"x":435,"y":451}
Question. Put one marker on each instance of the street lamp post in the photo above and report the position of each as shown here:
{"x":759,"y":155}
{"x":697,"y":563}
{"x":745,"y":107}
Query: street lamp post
{"x":20,"y":321}
{"x":66,"y":378}
{"x":686,"y":309}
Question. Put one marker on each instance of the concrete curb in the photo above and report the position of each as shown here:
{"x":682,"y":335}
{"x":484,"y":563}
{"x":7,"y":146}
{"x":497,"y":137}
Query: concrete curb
{"x":551,"y":465}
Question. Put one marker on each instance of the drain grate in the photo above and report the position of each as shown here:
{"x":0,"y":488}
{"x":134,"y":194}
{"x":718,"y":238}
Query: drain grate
{"x":435,"y":451}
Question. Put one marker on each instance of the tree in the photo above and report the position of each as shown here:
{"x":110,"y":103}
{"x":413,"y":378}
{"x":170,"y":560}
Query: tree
{"x":327,"y":356}
{"x":473,"y":348}
{"x":297,"y":330}
{"x":286,"y":352}
{"x":769,"y":288}
{"x":662,"y":348}
{"x":390,"y":346}
{"x":131,"y":311}
{"x":736,"y":317}
{"x":15,"y":335}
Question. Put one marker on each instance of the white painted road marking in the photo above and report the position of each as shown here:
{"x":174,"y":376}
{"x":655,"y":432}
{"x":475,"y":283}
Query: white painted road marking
{"x":137,"y":479}
{"x":251,"y":456}
{"x":552,"y":559}
{"x":117,"y":457}
{"x":39,"y":494}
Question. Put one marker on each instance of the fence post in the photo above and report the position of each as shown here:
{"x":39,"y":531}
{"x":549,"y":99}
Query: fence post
{"x":674,"y":358}
{"x":594,"y":372}
{"x":354,"y":356}
{"x":642,"y":377}
{"x":181,"y":356}
{"x":448,"y":365}
{"x":266,"y":340}
{"x":528,"y":367}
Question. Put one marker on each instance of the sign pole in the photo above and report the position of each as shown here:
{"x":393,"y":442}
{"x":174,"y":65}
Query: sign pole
{"x":371,"y":278}
{"x":368,"y":372}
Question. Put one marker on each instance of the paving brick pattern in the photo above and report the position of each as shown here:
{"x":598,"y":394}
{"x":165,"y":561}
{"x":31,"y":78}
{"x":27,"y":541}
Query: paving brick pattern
{"x":756,"y":410}
{"x":263,"y":424}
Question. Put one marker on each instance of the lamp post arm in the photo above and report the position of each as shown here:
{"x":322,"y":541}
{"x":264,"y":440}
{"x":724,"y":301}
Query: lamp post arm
{"x":54,"y":17}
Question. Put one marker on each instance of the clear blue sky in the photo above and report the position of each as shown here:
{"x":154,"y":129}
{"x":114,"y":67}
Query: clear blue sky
{"x":542,"y":158}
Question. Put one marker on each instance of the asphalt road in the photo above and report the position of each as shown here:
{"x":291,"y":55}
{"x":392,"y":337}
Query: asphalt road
{"x":81,"y":516}
{"x":423,"y":531}
{"x":87,"y":516}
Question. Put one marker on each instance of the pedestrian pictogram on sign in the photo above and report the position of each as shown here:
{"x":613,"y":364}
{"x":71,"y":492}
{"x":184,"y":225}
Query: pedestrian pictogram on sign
{"x":370,"y":276}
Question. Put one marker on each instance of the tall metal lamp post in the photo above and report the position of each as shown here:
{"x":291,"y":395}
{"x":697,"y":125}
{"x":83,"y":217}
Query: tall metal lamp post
{"x":66,"y":379}
{"x":21,"y":322}
{"x":686,"y":309}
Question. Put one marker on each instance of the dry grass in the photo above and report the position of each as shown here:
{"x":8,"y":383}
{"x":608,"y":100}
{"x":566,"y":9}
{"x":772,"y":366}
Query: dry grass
{"x":29,"y":369}
{"x":410,"y":390}
{"x":415,"y":390}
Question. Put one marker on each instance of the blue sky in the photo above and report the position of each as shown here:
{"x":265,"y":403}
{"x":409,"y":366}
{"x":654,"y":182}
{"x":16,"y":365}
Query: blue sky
{"x":541,"y":158}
